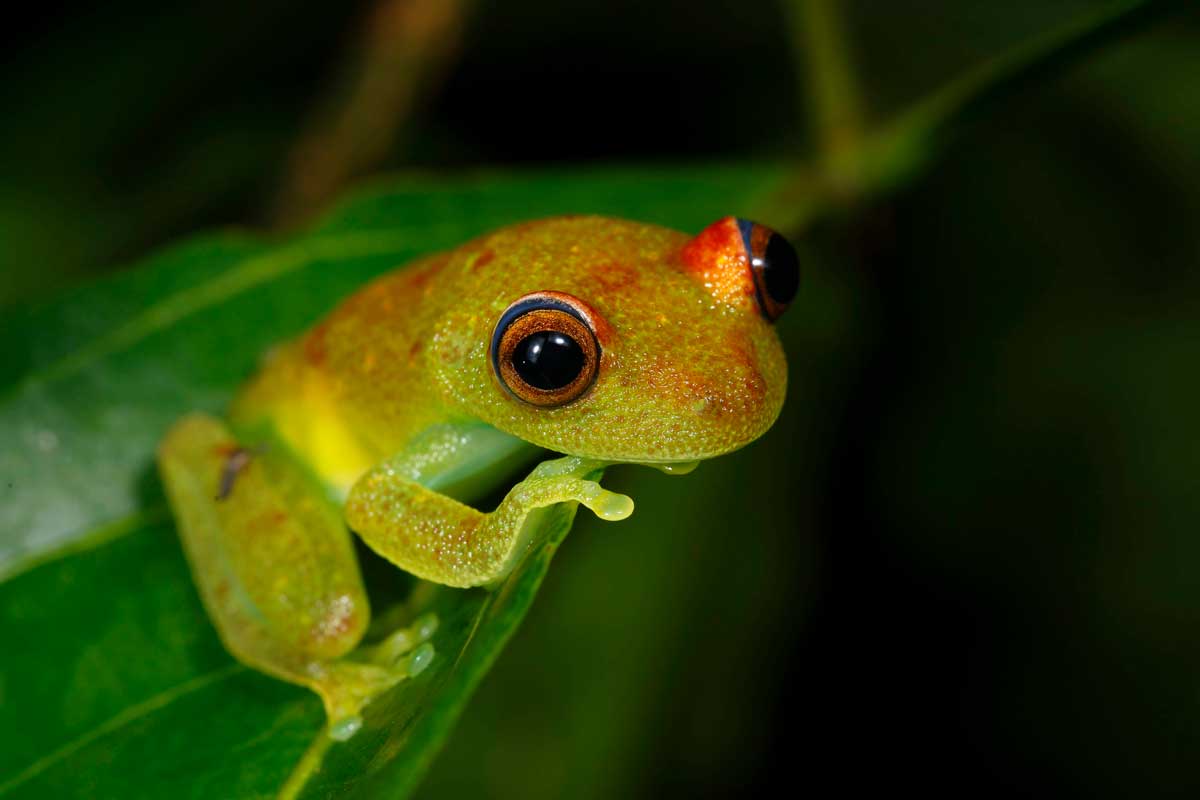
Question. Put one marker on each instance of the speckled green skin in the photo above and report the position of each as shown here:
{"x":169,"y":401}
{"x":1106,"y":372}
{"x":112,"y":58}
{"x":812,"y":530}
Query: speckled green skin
{"x":683,"y":375}
{"x":391,"y":400}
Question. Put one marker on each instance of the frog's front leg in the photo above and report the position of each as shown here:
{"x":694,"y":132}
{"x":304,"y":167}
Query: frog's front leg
{"x":439,"y":539}
{"x":276,"y":568}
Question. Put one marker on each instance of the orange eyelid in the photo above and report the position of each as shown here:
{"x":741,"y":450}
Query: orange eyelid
{"x":716,"y":258}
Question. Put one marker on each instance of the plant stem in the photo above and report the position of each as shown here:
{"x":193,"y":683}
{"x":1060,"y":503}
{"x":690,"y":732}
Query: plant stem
{"x":836,"y":106}
{"x":906,"y":145}
{"x":404,"y":49}
{"x":853,"y":164}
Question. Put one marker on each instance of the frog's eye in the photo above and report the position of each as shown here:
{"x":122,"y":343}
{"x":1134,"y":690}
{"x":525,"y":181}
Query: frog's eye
{"x":544,"y":349}
{"x":773,"y":265}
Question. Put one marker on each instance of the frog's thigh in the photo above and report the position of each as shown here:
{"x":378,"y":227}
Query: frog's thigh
{"x":272,"y":559}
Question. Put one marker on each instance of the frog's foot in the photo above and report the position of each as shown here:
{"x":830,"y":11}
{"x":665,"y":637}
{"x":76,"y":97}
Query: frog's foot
{"x":347,"y":686}
{"x":566,"y":479}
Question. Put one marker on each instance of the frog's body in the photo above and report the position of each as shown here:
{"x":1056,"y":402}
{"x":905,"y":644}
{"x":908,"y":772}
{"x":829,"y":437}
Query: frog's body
{"x":425,"y":388}
{"x":350,"y":392}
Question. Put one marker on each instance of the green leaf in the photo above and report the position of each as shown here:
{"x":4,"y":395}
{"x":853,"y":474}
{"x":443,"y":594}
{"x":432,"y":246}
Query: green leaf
{"x":113,"y":682}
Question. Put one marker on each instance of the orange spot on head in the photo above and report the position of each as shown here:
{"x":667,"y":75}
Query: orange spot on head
{"x":616,"y":278}
{"x":717,"y":260}
{"x":315,"y":350}
{"x":417,"y":284}
{"x":483,"y":259}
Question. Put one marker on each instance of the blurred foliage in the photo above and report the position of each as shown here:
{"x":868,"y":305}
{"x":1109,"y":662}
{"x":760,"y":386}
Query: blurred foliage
{"x":964,"y":556}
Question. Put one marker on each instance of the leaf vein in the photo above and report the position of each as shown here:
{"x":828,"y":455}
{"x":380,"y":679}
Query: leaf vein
{"x":126,"y":717}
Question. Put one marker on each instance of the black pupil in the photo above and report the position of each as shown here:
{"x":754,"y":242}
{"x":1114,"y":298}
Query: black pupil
{"x":548,"y":360}
{"x":781,"y":270}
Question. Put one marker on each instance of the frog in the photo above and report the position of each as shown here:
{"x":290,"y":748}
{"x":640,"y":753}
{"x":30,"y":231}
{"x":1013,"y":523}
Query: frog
{"x":551,"y":349}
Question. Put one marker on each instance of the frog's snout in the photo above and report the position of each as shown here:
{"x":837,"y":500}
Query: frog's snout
{"x":724,"y":397}
{"x":744,"y":265}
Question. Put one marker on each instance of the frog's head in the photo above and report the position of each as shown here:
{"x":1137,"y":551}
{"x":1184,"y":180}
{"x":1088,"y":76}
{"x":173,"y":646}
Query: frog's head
{"x":621,"y":341}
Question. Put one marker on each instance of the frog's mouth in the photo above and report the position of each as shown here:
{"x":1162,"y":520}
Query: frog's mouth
{"x":671,"y":467}
{"x":499,"y":463}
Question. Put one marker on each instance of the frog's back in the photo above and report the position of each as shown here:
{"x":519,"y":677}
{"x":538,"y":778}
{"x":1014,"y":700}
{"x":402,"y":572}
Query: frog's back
{"x":351,"y":391}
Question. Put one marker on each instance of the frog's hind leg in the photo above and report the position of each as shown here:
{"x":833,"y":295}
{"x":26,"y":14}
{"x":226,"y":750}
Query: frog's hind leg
{"x":275,"y":566}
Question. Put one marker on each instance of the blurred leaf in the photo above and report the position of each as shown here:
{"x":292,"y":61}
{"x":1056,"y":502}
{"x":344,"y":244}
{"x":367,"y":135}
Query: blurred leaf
{"x":113,"y":677}
{"x":911,"y":141}
{"x":1038,"y":455}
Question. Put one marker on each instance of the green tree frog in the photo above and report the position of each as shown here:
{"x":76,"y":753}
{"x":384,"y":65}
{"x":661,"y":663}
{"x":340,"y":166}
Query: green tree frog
{"x":602,"y":340}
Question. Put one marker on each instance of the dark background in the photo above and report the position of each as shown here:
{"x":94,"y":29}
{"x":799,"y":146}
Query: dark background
{"x":989,"y":578}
